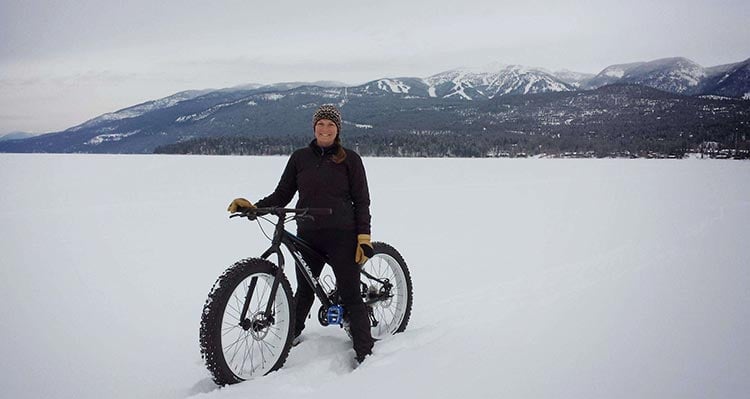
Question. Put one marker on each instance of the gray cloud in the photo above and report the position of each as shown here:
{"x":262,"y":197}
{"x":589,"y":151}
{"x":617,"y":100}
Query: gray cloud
{"x":79,"y":59}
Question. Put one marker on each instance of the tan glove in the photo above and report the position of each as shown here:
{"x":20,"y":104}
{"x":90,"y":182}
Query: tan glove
{"x":240,"y":205}
{"x":364,"y":249}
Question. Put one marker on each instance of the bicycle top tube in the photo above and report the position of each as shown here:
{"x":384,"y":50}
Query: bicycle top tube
{"x":281,"y":236}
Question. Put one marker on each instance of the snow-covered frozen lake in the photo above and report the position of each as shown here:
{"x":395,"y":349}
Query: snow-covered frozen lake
{"x":533,"y":278}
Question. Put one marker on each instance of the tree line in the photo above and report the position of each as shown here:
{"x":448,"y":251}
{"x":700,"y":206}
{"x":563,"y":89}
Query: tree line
{"x":632,"y":142}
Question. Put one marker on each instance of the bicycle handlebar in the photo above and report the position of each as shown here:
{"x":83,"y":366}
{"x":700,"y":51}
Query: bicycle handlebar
{"x":283,"y":211}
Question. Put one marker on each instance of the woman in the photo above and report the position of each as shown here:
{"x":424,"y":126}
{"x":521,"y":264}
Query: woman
{"x":327,"y":175}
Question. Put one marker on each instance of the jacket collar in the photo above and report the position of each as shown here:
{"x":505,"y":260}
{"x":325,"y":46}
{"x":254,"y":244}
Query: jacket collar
{"x":322,"y":151}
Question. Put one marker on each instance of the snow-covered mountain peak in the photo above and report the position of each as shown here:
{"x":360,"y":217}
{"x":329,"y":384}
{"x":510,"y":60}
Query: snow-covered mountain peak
{"x":728,"y":80}
{"x":677,"y":75}
{"x":674,"y":64}
{"x":494,"y":80}
{"x":617,"y":71}
{"x":483,"y":72}
{"x":140,"y":109}
{"x":393,"y":86}
{"x":247,"y":86}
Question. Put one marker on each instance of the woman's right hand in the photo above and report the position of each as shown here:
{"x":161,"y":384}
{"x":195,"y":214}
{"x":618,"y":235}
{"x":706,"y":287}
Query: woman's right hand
{"x":240,"y":205}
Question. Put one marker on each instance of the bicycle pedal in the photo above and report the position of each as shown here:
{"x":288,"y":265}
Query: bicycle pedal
{"x":335,"y":315}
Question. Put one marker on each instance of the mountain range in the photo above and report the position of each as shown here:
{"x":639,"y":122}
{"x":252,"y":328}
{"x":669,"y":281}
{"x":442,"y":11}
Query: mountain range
{"x":444,"y":102}
{"x":15,"y":136}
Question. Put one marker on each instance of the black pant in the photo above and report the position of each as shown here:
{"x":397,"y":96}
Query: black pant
{"x":340,"y":246}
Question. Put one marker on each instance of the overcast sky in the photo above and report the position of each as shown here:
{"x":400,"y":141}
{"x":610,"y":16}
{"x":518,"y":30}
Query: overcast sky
{"x":63,"y":62}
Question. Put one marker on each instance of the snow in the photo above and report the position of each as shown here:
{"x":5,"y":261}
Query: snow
{"x":506,"y":79}
{"x":205,"y":114}
{"x":614,"y":72}
{"x":533,"y":278}
{"x":96,"y":140}
{"x":272,"y":96}
{"x":459,"y":85}
{"x":714,"y":97}
{"x":529,"y":84}
{"x":359,"y":125}
{"x":690,"y":75}
{"x":441,"y":78}
{"x":393,"y":86}
{"x":458,"y":91}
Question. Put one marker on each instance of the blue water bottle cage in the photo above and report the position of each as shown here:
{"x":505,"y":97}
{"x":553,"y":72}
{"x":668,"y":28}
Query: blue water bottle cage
{"x":335,"y":315}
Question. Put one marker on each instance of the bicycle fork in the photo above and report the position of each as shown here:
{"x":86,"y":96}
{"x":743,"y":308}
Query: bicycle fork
{"x":268,"y":315}
{"x":268,"y":318}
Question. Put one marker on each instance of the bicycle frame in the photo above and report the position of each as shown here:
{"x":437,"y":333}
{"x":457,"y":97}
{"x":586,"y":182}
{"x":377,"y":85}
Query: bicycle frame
{"x":296,"y":247}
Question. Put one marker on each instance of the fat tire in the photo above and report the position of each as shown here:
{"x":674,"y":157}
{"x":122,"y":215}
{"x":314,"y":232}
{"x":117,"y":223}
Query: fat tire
{"x":213,"y":312}
{"x":383,"y":248}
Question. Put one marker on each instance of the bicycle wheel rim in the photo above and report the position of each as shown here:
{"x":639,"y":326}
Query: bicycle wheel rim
{"x":250,"y":353}
{"x":389,"y":313}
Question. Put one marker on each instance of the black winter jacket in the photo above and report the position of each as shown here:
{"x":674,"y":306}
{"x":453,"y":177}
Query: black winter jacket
{"x":323,"y":183}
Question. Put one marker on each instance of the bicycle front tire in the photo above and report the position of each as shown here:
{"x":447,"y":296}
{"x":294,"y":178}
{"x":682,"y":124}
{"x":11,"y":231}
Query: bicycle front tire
{"x":233,"y":353}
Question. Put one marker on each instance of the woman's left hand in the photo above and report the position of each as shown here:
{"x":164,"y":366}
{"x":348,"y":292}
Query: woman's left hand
{"x":364,"y":249}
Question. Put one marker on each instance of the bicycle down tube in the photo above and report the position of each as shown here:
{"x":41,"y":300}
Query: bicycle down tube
{"x":295,"y":245}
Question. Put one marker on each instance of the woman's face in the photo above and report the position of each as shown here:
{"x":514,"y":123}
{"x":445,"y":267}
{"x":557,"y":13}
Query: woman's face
{"x":325,"y":132}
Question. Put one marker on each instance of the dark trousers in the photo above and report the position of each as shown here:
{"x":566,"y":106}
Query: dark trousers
{"x":340,"y":246}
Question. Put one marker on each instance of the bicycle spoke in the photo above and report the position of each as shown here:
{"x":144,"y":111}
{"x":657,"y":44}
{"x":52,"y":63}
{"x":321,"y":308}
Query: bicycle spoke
{"x":383,"y":316}
{"x":229,"y":305}
{"x":234,"y":343}
{"x":227,"y":330}
{"x":252,"y":363}
{"x":259,"y":366}
{"x":383,"y":323}
{"x":272,"y":332}
{"x":268,"y":346}
{"x":392,"y":276}
{"x":236,"y":350}
{"x":262,"y":356}
{"x":244,"y":357}
{"x":393,"y":314}
{"x":232,"y":316}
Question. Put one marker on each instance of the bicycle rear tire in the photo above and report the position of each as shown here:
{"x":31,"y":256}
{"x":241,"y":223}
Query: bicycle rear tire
{"x":393,"y":315}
